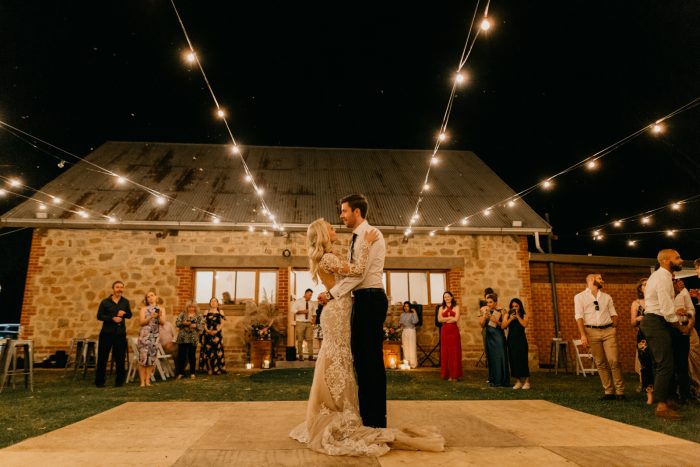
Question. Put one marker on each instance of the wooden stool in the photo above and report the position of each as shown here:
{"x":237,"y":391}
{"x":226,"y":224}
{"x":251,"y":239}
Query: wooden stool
{"x":87,"y":357}
{"x":557,"y":354}
{"x":74,"y":354}
{"x":10,"y":366}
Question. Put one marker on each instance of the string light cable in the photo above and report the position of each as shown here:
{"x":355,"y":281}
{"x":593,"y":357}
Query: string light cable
{"x":192,"y":57}
{"x":657,"y":127}
{"x":459,"y":78}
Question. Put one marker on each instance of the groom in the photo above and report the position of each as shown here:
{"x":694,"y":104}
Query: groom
{"x":368,"y":313}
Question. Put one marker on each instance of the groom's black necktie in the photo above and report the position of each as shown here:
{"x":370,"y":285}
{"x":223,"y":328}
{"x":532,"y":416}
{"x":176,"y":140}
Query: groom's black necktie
{"x":352,"y":245}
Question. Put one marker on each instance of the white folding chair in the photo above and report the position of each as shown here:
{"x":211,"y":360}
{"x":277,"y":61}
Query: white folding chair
{"x":134,"y":360}
{"x":581,"y":368}
{"x":163,"y":363}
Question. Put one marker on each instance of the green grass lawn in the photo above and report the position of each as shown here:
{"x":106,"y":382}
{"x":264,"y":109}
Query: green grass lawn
{"x":58,"y":401}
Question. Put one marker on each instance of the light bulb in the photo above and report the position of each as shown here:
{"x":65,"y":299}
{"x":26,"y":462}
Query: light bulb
{"x":83,"y":214}
{"x":432,"y":234}
{"x":447,"y":228}
{"x":442,"y":136}
{"x":670,"y":233}
{"x":485,"y":24}
{"x":657,"y":128}
{"x":426,"y":187}
{"x":433,"y":160}
{"x":235,"y":149}
{"x":111,"y":219}
{"x":260,"y":191}
{"x":248,"y":178}
{"x":251,"y":228}
{"x":511,"y":203}
{"x":3,"y":192}
{"x":631,"y":242}
{"x":160,"y":200}
{"x":617,"y":223}
{"x":460,"y":78}
{"x":407,"y":232}
{"x":592,"y":165}
{"x":190,"y":57}
{"x":220,"y":113}
{"x":56,"y":200}
{"x":646,"y":220}
{"x":215,"y":220}
{"x":487,"y":212}
{"x":121,"y":180}
{"x":547,"y":184}
{"x":14,"y":182}
{"x":464,"y":221}
{"x":676,"y":206}
{"x":42,"y":207}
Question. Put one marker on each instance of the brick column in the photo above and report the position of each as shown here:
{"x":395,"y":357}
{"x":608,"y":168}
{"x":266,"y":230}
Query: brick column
{"x":185,"y":286}
{"x":282,"y":320}
{"x":31,"y":288}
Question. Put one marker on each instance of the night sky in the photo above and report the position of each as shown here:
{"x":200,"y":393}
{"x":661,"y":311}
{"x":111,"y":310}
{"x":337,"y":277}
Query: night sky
{"x":552,"y":83}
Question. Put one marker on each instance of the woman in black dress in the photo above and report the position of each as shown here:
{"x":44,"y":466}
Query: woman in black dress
{"x":516,"y":322}
{"x":211,"y":354}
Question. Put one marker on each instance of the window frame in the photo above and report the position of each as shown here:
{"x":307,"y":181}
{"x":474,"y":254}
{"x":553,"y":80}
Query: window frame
{"x":214,"y":272}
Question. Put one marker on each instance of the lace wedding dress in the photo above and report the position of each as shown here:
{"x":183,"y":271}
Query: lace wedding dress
{"x":333,"y":424}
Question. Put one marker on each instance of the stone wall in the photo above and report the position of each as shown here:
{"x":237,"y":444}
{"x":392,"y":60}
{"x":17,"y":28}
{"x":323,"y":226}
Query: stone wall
{"x":70,"y":271}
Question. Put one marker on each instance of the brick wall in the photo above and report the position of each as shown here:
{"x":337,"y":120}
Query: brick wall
{"x":620,"y":283}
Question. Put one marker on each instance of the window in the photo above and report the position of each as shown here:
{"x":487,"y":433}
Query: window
{"x":242,"y":285}
{"x":300,"y":281}
{"x":424,"y":287}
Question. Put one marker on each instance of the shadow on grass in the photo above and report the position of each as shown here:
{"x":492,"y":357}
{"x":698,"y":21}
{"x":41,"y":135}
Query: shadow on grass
{"x":58,"y":401}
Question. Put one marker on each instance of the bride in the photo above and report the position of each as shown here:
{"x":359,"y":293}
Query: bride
{"x":333,"y":424}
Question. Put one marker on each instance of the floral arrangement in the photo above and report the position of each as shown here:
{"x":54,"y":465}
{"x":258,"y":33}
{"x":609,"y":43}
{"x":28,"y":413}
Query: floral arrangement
{"x":392,"y":332}
{"x":260,"y":331}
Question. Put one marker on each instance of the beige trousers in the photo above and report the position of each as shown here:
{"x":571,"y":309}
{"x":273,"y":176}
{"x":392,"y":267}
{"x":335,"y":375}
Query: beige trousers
{"x":603,"y":343}
{"x":304,"y":332}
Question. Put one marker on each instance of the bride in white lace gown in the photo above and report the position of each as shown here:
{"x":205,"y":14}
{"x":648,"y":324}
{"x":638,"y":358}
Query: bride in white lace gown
{"x":333,"y":424}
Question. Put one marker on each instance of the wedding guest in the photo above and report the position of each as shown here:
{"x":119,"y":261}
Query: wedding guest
{"x":646,"y":365}
{"x":516,"y":322}
{"x":450,"y":340}
{"x":190,"y":323}
{"x":167,"y":338}
{"x":659,"y":319}
{"x":112,"y":311}
{"x":226,"y":298}
{"x":680,"y":339}
{"x":211,"y":353}
{"x":496,"y":350}
{"x":318,"y":333}
{"x":304,"y":309}
{"x":408,"y":321}
{"x":596,"y":319}
{"x":150,"y":317}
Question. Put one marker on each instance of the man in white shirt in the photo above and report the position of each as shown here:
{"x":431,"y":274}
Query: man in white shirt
{"x":369,"y":310}
{"x":304,"y":311}
{"x":680,"y":339}
{"x":659,"y":319}
{"x":596,"y":319}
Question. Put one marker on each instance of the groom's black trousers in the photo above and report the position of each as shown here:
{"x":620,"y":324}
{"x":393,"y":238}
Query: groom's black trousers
{"x":367,"y":335}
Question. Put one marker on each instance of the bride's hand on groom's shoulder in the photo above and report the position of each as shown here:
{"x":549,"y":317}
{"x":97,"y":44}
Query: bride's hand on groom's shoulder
{"x":371,"y":236}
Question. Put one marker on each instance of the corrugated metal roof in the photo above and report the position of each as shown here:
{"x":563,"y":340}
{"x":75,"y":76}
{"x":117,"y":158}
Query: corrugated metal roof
{"x":301,"y":184}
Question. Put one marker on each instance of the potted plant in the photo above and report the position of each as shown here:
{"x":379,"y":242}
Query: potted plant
{"x":392,"y":344}
{"x":261,"y":334}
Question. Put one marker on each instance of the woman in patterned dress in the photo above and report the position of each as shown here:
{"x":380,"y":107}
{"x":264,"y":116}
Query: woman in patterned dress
{"x":149,"y":319}
{"x":190,"y":323}
{"x":211,"y":355}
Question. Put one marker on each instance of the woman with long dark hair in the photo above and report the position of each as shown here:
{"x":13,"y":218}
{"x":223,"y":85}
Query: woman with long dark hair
{"x":516,"y":322}
{"x":646,"y":371}
{"x":496,"y":350}
{"x":450,"y":340}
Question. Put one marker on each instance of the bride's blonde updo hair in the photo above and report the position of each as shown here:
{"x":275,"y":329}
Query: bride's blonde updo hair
{"x":318,"y":243}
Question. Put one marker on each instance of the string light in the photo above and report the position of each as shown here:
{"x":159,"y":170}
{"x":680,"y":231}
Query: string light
{"x":547,"y":184}
{"x":670,"y":233}
{"x":631,"y":243}
{"x":432,"y":233}
{"x":464,"y":221}
{"x":511,"y":203}
{"x":190,"y":57}
{"x":617,"y":223}
{"x":485,"y":24}
{"x":657,"y":128}
{"x":215,"y":220}
{"x":111,"y":220}
{"x":433,"y":160}
{"x":15,"y":182}
{"x":487,"y":212}
{"x":442,"y":136}
{"x":426,"y":187}
{"x":220,"y":111}
{"x":592,"y":165}
{"x":3,"y":192}
{"x":121,"y":180}
{"x":235,"y":149}
{"x":248,"y":178}
{"x":460,"y":78}
{"x":83,"y":214}
{"x":676,"y":206}
{"x":646,"y":220}
{"x":251,"y":228}
{"x":160,"y":200}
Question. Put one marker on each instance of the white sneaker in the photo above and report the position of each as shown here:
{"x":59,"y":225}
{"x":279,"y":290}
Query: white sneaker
{"x":518,"y":385}
{"x":526,"y":386}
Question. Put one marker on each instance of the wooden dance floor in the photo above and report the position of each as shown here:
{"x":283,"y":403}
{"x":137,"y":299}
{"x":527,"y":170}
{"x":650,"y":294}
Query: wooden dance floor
{"x":499,"y":433}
